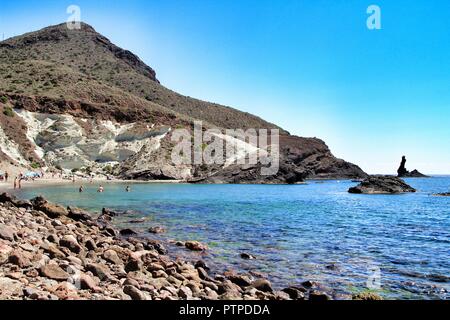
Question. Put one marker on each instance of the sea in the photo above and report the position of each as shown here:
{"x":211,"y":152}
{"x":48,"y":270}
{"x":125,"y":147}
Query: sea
{"x":395,"y":245}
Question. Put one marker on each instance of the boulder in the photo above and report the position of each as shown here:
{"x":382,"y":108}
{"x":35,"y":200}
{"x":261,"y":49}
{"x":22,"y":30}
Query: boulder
{"x":6,"y":233}
{"x":382,"y":185}
{"x":78,"y":214}
{"x":69,"y":242}
{"x":262,"y":285}
{"x":54,"y":272}
{"x":127,"y":232}
{"x":112,"y":256}
{"x":156,"y":230}
{"x":51,"y":210}
{"x":134,"y":293}
{"x":20,"y":258}
{"x":195,"y":246}
{"x":445,"y":194}
{"x":247,"y":256}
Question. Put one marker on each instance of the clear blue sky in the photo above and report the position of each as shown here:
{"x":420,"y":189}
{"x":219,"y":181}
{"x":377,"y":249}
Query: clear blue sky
{"x":312,"y":67}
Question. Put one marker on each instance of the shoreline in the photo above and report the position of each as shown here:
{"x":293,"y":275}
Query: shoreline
{"x":42,"y":245}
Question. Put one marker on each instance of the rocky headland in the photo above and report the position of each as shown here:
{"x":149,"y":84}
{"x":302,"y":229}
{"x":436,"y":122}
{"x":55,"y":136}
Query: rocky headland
{"x":382,"y":185}
{"x":49,"y":252}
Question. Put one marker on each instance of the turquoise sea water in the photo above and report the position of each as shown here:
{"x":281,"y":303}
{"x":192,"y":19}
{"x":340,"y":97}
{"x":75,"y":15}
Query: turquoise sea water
{"x":315,"y":232}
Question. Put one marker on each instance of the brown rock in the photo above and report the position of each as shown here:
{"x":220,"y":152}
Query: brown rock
{"x":195,"y":246}
{"x":112,"y":256}
{"x":134,"y":293}
{"x":19,"y":258}
{"x":53,"y":271}
{"x":6,"y":233}
{"x":262,"y":285}
{"x":156,"y":230}
{"x":100,"y":270}
{"x":71,"y":243}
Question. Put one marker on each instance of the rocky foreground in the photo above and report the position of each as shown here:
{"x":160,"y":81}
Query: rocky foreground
{"x":48,"y":252}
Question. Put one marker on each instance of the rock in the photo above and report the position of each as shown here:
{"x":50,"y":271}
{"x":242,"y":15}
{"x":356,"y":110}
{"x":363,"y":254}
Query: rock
{"x":19,"y":258}
{"x":69,"y":242}
{"x":6,"y":197}
{"x":382,"y":185}
{"x":112,"y":256}
{"x":185,"y":293}
{"x":201,"y":264}
{"x":367,"y":296}
{"x":99,"y":270}
{"x":195,"y":246}
{"x":87,"y":282}
{"x":134,"y":265}
{"x":53,"y":251}
{"x":131,"y":282}
{"x":295,"y":293}
{"x":240,"y":280}
{"x":445,"y":194}
{"x":156,"y":230}
{"x":10,"y":288}
{"x":262,"y":285}
{"x":90,"y":244}
{"x":127,"y":232}
{"x":134,"y":293}
{"x":247,"y":256}
{"x":309,"y":284}
{"x":53,"y":271}
{"x":318,"y":296}
{"x":78,"y":214}
{"x":6,"y":233}
{"x":403,"y":173}
{"x":51,"y":210}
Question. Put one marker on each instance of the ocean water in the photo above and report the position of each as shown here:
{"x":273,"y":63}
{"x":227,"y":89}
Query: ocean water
{"x":395,"y":245}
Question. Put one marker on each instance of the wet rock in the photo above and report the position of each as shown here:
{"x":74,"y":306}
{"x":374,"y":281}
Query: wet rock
{"x":78,"y":214}
{"x":247,"y":256}
{"x":367,"y":296}
{"x":382,"y":185}
{"x":262,"y":285}
{"x":127,"y":232}
{"x":53,"y":271}
{"x":195,"y":246}
{"x":240,"y":280}
{"x":445,"y":194}
{"x":318,"y":296}
{"x":309,"y":284}
{"x":71,"y":243}
{"x":201,"y":264}
{"x":51,"y":210}
{"x":6,"y":233}
{"x":156,"y":230}
{"x":295,"y":293}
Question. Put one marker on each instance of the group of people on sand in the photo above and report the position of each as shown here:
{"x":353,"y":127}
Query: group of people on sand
{"x":101,"y":189}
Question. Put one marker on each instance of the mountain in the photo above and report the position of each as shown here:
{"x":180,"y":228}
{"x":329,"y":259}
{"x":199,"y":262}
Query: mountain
{"x":71,"y":99}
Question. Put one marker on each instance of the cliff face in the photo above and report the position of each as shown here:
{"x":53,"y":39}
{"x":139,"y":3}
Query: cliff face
{"x":72,"y":99}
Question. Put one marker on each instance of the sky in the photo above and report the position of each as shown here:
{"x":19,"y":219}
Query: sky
{"x":312,"y":67}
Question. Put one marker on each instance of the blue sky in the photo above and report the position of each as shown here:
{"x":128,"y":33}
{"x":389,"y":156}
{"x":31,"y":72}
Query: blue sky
{"x":312,"y":67}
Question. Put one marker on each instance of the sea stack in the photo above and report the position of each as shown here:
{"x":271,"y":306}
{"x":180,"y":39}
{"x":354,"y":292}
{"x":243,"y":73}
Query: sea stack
{"x":403,"y":173}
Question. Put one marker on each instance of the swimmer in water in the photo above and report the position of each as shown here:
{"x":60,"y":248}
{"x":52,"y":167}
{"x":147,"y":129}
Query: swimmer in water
{"x":128,"y":189}
{"x":100,"y":189}
{"x":81,"y":189}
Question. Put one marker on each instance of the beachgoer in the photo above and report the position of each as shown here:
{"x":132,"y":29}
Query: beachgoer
{"x":128,"y":189}
{"x":81,"y":189}
{"x":6,"y":176}
{"x":100,"y":189}
{"x":15,"y":183}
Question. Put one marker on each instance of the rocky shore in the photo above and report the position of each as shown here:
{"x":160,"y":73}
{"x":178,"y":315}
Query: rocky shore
{"x":48,"y":252}
{"x":382,"y":185}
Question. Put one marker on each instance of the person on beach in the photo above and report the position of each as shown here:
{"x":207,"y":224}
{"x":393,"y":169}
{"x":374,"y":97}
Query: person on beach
{"x":81,"y":189}
{"x":15,"y":183}
{"x":100,"y":189}
{"x":6,"y":176}
{"x":128,"y":189}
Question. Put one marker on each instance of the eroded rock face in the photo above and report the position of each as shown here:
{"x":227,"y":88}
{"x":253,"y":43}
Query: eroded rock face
{"x":382,"y":185}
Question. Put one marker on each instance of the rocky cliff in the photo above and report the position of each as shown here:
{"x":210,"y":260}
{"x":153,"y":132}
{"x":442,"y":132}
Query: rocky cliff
{"x":71,"y":99}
